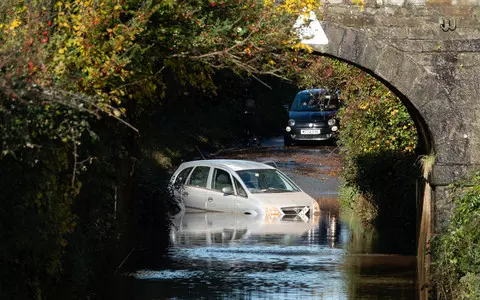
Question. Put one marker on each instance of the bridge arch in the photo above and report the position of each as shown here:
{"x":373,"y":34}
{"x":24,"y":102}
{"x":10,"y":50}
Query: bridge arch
{"x":418,"y":89}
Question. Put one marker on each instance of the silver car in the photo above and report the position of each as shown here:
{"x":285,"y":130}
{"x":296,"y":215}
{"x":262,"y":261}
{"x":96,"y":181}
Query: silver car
{"x":241,"y":187}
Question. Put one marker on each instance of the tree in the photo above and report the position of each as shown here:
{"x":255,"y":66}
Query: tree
{"x":66,"y":64}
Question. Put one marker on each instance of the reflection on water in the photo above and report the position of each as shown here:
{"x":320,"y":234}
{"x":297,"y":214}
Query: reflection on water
{"x":224,"y":256}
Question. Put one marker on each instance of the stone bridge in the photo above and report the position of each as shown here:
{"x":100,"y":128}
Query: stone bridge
{"x":428,"y":53}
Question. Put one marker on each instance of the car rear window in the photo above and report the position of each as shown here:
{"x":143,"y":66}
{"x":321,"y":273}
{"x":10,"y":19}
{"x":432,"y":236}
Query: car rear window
{"x":182,"y":177}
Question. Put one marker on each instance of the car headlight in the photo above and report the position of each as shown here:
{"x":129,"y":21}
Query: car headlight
{"x":332,"y":122}
{"x":334,"y":128}
{"x":288,"y":129}
{"x":272,"y":211}
{"x":316,"y":208}
{"x":291,"y":122}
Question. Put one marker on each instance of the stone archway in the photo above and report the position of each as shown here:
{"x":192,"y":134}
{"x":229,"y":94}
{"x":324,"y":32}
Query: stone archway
{"x":442,"y":121}
{"x":409,"y":80}
{"x":415,"y":86}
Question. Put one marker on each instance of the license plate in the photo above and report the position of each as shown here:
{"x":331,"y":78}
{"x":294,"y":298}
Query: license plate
{"x":310,"y":131}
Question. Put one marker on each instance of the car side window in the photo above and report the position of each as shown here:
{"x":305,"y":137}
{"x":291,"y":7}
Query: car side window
{"x":240,"y":190}
{"x":221,"y":179}
{"x":199,"y":177}
{"x":182,"y":177}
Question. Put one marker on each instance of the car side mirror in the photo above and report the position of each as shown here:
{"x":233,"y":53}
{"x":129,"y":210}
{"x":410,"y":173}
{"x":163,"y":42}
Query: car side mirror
{"x":227,"y":191}
{"x":286,"y":107}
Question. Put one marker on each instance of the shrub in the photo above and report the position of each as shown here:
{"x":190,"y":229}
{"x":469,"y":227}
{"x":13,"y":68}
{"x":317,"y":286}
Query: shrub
{"x":377,"y":140}
{"x":456,"y":250}
{"x":350,"y":196}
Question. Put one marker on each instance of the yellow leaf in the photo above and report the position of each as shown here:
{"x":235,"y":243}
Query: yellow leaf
{"x":15,"y":23}
{"x":61,"y":51}
{"x":117,"y":113}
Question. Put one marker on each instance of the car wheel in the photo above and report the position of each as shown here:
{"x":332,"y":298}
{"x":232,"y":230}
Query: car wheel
{"x":287,"y":141}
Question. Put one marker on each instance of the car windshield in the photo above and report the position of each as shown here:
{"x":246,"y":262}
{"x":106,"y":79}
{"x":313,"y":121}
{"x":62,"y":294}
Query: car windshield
{"x":267,"y":181}
{"x":317,"y":101}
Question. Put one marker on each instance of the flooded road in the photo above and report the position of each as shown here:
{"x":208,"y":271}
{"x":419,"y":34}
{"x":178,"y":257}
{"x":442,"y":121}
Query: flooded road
{"x":226,"y":256}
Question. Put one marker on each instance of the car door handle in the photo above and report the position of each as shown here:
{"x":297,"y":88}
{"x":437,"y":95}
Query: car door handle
{"x":185,"y":194}
{"x":210,"y":199}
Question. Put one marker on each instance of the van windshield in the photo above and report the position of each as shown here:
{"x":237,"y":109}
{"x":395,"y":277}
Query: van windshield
{"x":315,"y":102}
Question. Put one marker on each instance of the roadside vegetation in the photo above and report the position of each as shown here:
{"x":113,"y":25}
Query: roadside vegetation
{"x":455,"y":272}
{"x":82,"y":83}
{"x":377,"y":141}
{"x":99,"y":98}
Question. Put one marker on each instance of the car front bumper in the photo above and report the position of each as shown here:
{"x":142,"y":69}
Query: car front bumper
{"x":321,"y":134}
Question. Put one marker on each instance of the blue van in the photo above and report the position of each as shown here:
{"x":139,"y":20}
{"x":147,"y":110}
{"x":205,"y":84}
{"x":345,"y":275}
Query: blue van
{"x":312,"y":117}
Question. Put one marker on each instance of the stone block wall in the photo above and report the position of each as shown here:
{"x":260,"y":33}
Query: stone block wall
{"x":428,"y":51}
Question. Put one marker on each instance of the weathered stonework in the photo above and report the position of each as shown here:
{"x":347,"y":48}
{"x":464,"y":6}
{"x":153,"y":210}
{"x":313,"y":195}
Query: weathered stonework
{"x":428,"y":51}
{"x":443,"y":208}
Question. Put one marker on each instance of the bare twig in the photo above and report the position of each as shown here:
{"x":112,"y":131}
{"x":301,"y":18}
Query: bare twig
{"x":125,"y":259}
{"x":140,"y":80}
{"x":73,"y":100}
{"x":86,"y":160}
{"x":262,"y":82}
{"x":333,"y":151}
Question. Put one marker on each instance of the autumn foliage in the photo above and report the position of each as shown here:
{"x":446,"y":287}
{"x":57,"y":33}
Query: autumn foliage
{"x":73,"y":73}
{"x":108,"y":49}
{"x":377,"y":140}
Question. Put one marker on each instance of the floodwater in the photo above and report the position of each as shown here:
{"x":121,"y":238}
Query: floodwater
{"x":223,"y":256}
{"x":226,"y":256}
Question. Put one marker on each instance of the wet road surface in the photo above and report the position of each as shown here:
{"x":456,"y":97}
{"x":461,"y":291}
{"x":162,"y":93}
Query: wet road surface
{"x":222,"y":256}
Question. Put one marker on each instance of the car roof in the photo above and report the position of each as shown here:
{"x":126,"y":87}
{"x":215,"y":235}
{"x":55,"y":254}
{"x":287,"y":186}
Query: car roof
{"x":313,"y":91}
{"x":232,"y":164}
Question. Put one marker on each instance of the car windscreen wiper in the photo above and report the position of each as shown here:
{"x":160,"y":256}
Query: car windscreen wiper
{"x":274,"y":190}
